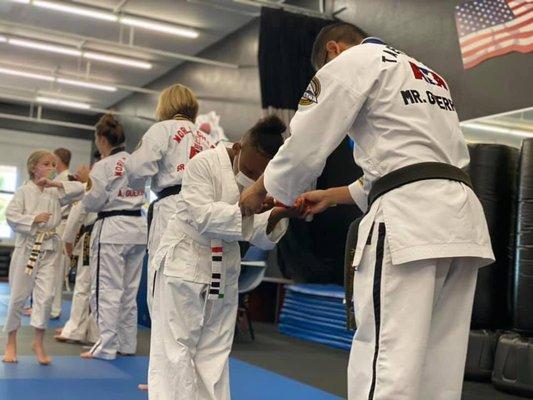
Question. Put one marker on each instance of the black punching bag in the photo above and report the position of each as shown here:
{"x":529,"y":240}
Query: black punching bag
{"x":313,"y":252}
{"x":523,"y":297}
{"x":493,"y":170}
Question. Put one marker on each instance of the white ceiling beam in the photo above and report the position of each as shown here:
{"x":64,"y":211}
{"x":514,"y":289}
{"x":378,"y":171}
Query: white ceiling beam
{"x":25,"y":29}
{"x":46,"y":121}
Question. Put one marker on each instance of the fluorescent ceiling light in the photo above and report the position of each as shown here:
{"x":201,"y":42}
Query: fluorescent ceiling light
{"x":159,"y":27}
{"x":23,"y":74}
{"x":48,"y":78}
{"x":44,"y":46}
{"x":65,"y":103}
{"x":3,"y":39}
{"x":116,"y":60}
{"x":77,"y":10}
{"x":90,"y":12}
{"x":78,"y":53}
{"x":88,"y":85}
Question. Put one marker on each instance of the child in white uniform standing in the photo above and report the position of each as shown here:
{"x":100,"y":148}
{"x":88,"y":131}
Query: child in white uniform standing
{"x":118,"y":244}
{"x":196,"y":296}
{"x":34,"y":213}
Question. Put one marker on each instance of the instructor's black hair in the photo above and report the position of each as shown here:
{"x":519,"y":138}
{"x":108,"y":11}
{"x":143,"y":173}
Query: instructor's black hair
{"x":266,"y":135}
{"x":338,"y":32}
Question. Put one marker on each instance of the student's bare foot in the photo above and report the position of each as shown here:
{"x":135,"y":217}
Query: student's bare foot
{"x":61,"y":339}
{"x":143,"y":387}
{"x":40,"y":354}
{"x":59,"y":331}
{"x":10,"y":355}
{"x":87,"y":355}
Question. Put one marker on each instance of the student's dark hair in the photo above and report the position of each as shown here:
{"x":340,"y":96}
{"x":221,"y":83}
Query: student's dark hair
{"x":111,"y":129}
{"x":266,"y":135}
{"x":64,"y":155}
{"x":97,"y":155}
{"x":338,"y":32}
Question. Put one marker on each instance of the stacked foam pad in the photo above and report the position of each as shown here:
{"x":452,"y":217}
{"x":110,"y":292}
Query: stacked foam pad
{"x":513,"y":366}
{"x":493,"y":170}
{"x":316,"y":313}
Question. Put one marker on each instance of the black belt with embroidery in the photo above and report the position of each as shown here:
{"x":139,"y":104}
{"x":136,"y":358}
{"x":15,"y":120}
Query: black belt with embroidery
{"x":400,"y":177}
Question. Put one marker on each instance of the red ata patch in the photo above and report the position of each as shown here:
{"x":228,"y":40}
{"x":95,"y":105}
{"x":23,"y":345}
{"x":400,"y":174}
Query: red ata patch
{"x":180,"y":167}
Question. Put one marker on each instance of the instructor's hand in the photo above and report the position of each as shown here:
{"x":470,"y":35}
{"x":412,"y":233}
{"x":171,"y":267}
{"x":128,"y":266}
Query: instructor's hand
{"x":316,"y":201}
{"x":252,"y":199}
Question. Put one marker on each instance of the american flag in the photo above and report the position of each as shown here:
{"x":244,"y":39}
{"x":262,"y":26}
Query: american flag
{"x":490,"y":28}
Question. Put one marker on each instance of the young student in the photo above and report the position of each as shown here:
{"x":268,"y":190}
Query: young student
{"x":34,"y":213}
{"x":198,"y":264}
{"x":118,"y":243}
{"x":162,"y":155}
{"x":63,"y":157}
{"x":81,"y":326}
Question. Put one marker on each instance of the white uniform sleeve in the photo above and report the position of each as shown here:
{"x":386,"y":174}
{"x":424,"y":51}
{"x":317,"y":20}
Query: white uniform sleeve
{"x":142,"y":163}
{"x":96,"y":198}
{"x":359,"y":195}
{"x":260,"y":238}
{"x":334,"y":98}
{"x":214,"y":219}
{"x":74,"y":221}
{"x":17,"y":219}
{"x":71,"y":192}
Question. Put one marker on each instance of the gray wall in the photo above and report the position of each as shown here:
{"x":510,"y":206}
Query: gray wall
{"x":425,"y":29}
{"x":233,"y":94}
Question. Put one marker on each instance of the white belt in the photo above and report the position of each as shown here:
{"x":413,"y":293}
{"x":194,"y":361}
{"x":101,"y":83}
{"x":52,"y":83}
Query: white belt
{"x":217,"y":283}
{"x":37,"y":248}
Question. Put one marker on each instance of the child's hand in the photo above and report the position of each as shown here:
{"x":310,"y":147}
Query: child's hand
{"x":46,"y":183}
{"x":82,"y":173}
{"x":268,"y":204}
{"x":299,"y":210}
{"x":42,"y":218}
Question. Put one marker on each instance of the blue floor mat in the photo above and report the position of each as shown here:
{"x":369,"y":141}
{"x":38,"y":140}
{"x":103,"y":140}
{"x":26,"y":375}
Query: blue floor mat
{"x":75,"y":378}
{"x":316,"y":313}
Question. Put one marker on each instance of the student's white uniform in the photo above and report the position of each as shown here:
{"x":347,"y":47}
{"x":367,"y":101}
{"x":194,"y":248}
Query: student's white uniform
{"x":27,"y":203}
{"x":118,"y":245}
{"x":191,"y":337}
{"x":81,"y":325}
{"x":162,"y":155}
{"x":415,"y":281}
{"x":62,"y":261}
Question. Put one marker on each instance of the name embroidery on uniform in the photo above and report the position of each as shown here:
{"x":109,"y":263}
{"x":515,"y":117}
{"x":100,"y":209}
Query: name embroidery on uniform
{"x":182,"y":132}
{"x":119,"y":167}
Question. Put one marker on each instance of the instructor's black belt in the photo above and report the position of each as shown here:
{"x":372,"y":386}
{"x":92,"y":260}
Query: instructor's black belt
{"x":168,"y":191}
{"x":115,"y":213}
{"x":385,"y":184}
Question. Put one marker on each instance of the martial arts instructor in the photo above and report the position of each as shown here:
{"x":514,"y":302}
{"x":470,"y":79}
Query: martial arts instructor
{"x":424,"y":234}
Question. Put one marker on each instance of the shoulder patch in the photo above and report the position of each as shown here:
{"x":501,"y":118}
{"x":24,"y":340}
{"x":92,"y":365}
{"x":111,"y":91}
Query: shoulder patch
{"x":311,"y":94}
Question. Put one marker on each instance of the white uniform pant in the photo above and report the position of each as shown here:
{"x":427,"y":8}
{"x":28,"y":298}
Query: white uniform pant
{"x":81,"y":325}
{"x":413,"y":322}
{"x":60,"y":268}
{"x":115,"y":283}
{"x":40,"y":282}
{"x":189,"y":359}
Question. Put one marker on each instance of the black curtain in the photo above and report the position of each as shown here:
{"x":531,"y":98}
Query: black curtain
{"x":285,"y":44}
{"x":314,"y":251}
